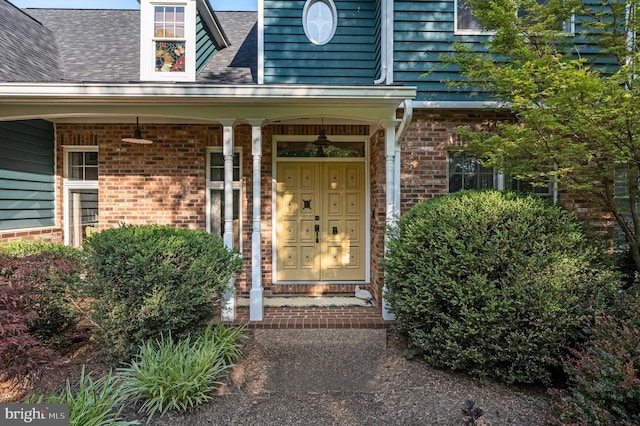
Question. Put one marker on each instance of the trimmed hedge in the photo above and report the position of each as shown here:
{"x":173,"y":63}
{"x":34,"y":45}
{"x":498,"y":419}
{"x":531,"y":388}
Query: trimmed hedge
{"x":153,"y":280}
{"x":495,"y":284}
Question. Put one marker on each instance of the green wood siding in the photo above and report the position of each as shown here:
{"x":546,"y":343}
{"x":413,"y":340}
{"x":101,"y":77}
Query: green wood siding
{"x":424,"y":31}
{"x":351,"y":57}
{"x":206,"y":46}
{"x":27,"y":175}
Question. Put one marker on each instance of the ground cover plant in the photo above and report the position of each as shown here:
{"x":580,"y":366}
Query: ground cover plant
{"x":149,"y":281}
{"x":91,"y":402}
{"x":170,"y":374}
{"x":496,"y":285}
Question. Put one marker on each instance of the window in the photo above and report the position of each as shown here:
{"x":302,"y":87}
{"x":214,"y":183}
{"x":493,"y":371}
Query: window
{"x":622,"y":195}
{"x":465,"y":173}
{"x":169,"y":38}
{"x":562,"y":26}
{"x":465,"y":22}
{"x":215,"y":195}
{"x":81,"y":194}
{"x":83,"y":165}
{"x":344,"y":149}
{"x":319,"y":19}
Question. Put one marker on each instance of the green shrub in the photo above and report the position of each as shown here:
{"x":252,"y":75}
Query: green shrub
{"x":604,"y":375}
{"x":91,"y":402}
{"x":179,"y":375}
{"x":147,"y":281}
{"x":494,"y":284}
{"x":22,"y":248}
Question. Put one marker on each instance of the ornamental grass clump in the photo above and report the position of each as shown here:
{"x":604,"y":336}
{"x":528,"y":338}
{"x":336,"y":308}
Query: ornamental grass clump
{"x":92,"y":402}
{"x":497,"y":285}
{"x":179,"y":375}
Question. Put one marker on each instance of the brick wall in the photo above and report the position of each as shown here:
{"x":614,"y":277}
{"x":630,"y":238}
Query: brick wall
{"x":424,"y":161}
{"x":378,"y":212}
{"x":49,"y":234}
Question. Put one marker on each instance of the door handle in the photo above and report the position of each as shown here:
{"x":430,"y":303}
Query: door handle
{"x":317,"y":229}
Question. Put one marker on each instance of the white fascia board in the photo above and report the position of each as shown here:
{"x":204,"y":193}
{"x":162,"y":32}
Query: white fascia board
{"x":208,"y":15}
{"x":460,"y":105}
{"x":72,"y":93}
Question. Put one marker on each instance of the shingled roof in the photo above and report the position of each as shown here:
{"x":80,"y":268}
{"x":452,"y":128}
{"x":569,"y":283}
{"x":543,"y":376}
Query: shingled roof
{"x":103,"y":45}
{"x":29,"y":49}
{"x":94,"y":44}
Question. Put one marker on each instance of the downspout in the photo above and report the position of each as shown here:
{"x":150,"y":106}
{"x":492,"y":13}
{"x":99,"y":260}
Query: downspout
{"x":383,"y":43}
{"x":400,"y":133}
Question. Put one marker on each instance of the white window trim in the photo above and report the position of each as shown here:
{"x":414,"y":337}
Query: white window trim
{"x":334,"y":13}
{"x":219,"y":186}
{"x":147,"y":41}
{"x":72,"y":184}
{"x":465,"y":31}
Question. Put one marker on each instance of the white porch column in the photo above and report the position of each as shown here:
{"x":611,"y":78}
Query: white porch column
{"x":256,"y":294}
{"x":229,"y":298}
{"x":392,"y":210}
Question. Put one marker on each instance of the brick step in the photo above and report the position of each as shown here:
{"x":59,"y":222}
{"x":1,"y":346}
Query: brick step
{"x":314,"y":317}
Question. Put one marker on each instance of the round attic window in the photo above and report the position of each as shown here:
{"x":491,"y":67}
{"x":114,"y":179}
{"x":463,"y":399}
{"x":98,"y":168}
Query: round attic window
{"x":319,"y":19}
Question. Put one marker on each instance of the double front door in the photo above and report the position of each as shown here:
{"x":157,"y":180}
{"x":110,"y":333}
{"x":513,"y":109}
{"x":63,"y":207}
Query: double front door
{"x":320,"y":221}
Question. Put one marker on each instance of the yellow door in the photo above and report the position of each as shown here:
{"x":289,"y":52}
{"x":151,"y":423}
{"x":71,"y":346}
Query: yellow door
{"x":320,"y":227}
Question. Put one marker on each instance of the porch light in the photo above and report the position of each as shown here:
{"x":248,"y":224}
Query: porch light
{"x":137,"y":136}
{"x":321,"y":142}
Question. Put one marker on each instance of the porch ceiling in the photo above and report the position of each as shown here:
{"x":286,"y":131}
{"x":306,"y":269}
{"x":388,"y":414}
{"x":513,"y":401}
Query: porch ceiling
{"x":179,"y":103}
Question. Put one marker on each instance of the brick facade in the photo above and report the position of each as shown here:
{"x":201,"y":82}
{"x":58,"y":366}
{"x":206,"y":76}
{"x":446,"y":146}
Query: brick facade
{"x":165,"y":183}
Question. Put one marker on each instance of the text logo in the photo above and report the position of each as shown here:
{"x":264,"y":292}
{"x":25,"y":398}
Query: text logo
{"x":34,"y":414}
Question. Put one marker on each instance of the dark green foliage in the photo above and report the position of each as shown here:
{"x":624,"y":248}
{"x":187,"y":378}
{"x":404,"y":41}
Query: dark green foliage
{"x":604,"y":376}
{"x":147,"y":281}
{"x":494,"y":284}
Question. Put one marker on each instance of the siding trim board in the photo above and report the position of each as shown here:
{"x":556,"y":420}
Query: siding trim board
{"x":27,"y":175}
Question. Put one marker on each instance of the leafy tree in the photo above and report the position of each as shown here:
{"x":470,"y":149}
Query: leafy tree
{"x":574,"y":94}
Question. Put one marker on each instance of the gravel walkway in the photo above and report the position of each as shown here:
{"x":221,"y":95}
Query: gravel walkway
{"x":351,"y":377}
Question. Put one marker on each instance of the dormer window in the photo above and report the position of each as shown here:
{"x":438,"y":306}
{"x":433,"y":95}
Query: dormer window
{"x":168,"y":40}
